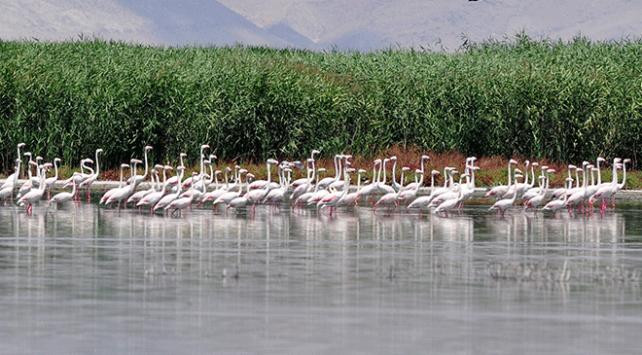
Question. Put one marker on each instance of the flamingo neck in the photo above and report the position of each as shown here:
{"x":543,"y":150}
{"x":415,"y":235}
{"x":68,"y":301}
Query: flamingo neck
{"x":621,"y":186}
{"x":394,"y":173}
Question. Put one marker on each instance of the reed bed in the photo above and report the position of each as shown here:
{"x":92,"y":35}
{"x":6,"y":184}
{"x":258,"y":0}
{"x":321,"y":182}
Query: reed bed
{"x":565,"y":101}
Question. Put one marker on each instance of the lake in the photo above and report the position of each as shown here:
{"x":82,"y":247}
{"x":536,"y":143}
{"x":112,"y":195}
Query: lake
{"x":89,"y":280}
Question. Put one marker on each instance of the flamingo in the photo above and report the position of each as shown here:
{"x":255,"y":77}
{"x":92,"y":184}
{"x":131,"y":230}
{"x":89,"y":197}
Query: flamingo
{"x":93,"y":178}
{"x":303,"y":199}
{"x":499,"y":191}
{"x":391,"y":198}
{"x":28,"y":185}
{"x":63,"y":197}
{"x":175,"y":180}
{"x":331,"y":200}
{"x":537,"y":200}
{"x":578,"y":197}
{"x":417,"y":184}
{"x":49,"y":182}
{"x":371,"y":188}
{"x":340,"y":184}
{"x":139,"y":195}
{"x":108,"y":194}
{"x":309,"y":172}
{"x":502,"y":205}
{"x":259,"y":184}
{"x":243,"y":201}
{"x":193,"y":179}
{"x":124,"y":192}
{"x":167,"y":199}
{"x":607,"y":191}
{"x":406,"y":195}
{"x":35,"y":195}
{"x":180,"y":203}
{"x":306,"y":186}
{"x":557,"y":193}
{"x":213,"y":195}
{"x":351,"y":199}
{"x":13,"y":178}
{"x":556,"y":205}
{"x":152,"y":198}
{"x":325,"y":182}
{"x":382,"y":187}
{"x":6,"y":192}
{"x":277,"y":196}
{"x":423,"y":201}
{"x":228,"y":196}
{"x":452,"y":203}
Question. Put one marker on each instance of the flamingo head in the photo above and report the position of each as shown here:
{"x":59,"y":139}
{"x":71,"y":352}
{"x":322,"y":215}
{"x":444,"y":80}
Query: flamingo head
{"x":616,"y":160}
{"x":148,"y":148}
{"x":87,"y":160}
{"x":136,"y":161}
{"x":425,"y":157}
{"x":550,"y":171}
{"x":27,"y":154}
{"x":315,"y":152}
{"x":600,"y":159}
{"x":39,"y":158}
{"x":57,"y":160}
{"x":205,"y":146}
{"x":122,"y":166}
{"x":99,"y":150}
{"x":535,"y":163}
{"x":213,"y":157}
{"x":20,"y":145}
{"x":272,"y":162}
{"x":405,"y":168}
{"x":434,"y":172}
{"x":584,"y":164}
{"x":627,"y":160}
{"x":512,"y":161}
{"x":183,"y":155}
{"x":571,"y":167}
{"x":393,"y":158}
{"x":361,"y":171}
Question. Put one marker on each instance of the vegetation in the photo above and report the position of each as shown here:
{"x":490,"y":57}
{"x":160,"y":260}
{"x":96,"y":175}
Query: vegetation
{"x":564,"y":101}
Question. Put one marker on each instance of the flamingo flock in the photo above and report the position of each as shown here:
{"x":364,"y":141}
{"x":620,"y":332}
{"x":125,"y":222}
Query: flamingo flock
{"x":233,"y":187}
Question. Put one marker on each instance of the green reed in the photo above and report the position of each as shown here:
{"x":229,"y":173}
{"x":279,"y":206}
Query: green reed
{"x":564,"y":101}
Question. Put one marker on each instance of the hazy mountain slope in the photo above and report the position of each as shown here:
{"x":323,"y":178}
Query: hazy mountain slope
{"x":200,"y":22}
{"x":58,"y":20}
{"x":346,"y":24}
{"x":421,"y":22}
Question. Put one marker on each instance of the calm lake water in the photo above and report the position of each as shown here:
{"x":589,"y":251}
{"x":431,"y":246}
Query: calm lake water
{"x":89,"y":280}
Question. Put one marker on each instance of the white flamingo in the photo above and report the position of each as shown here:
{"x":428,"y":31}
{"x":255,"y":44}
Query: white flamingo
{"x":502,"y":205}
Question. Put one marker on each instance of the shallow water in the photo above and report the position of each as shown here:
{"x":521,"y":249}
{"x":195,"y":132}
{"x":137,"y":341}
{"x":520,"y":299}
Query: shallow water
{"x":84,"y":280}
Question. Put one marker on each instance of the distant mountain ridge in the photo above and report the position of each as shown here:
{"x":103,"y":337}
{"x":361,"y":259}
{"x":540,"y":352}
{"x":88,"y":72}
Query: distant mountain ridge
{"x":318,"y":24}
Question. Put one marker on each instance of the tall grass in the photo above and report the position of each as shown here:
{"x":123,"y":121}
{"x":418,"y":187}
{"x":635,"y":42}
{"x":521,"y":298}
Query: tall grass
{"x":564,"y":101}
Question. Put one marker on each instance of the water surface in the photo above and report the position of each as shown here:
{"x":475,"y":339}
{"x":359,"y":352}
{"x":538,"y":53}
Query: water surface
{"x":89,"y":280}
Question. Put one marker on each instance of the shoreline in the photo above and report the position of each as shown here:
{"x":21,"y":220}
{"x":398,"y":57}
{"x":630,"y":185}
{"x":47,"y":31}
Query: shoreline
{"x":626,"y":196}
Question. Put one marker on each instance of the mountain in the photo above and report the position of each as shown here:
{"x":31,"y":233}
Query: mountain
{"x":365,"y":24}
{"x":68,"y":19}
{"x":318,"y":24}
